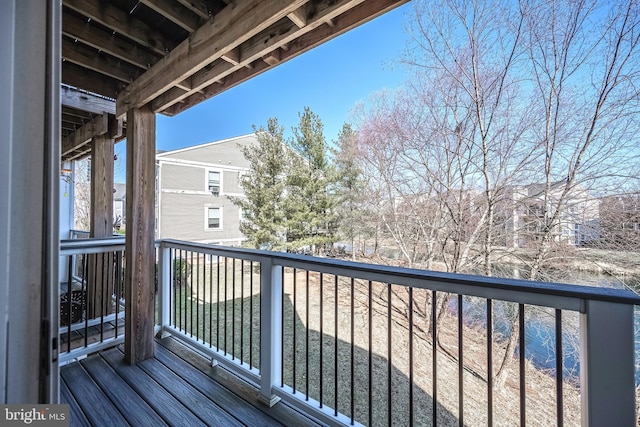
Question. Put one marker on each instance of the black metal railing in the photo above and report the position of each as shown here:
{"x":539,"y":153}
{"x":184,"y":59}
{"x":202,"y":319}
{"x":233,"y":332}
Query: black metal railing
{"x":91,"y":296}
{"x":215,"y":300}
{"x":355,"y":343}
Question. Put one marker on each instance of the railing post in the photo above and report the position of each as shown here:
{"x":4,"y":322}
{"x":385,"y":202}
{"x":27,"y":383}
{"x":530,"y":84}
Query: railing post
{"x":606,"y":364}
{"x":271,"y":333}
{"x":164,"y":288}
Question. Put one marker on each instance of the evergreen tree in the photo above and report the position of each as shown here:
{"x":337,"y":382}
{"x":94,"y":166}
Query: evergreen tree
{"x":352,"y":215}
{"x":264,"y":189}
{"x":310,"y":201}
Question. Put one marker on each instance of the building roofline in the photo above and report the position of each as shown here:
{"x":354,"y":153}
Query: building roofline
{"x":206,"y":144}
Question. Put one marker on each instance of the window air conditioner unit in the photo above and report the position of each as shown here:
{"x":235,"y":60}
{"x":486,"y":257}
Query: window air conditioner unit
{"x":215,"y":190}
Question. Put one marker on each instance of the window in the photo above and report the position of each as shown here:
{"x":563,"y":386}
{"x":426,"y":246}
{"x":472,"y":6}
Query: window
{"x":213,"y":218}
{"x":243,"y":176}
{"x":244,"y":215}
{"x":213,"y":182}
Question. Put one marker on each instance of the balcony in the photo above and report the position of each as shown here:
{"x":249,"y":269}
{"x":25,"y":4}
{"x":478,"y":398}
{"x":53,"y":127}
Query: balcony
{"x":262,"y":338}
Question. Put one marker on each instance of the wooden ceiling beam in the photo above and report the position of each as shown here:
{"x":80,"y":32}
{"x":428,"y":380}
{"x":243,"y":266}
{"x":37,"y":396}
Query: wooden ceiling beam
{"x":232,"y":56}
{"x":79,"y":77}
{"x":132,"y":54}
{"x":123,"y":23}
{"x":299,"y":16}
{"x":70,"y":124}
{"x":83,"y":135}
{"x":233,"y":25}
{"x":79,"y":100}
{"x":358,"y":15}
{"x":72,"y":112}
{"x":352,"y":18}
{"x":257,"y":48}
{"x":89,"y":34}
{"x":69,"y":118}
{"x":199,"y":7}
{"x":101,"y":63}
{"x":79,"y":154}
{"x":272,"y":58}
{"x":174,"y":12}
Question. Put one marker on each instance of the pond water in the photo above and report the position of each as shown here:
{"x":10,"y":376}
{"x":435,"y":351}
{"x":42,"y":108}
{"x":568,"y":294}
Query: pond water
{"x":540,"y":322}
{"x":540,"y":327}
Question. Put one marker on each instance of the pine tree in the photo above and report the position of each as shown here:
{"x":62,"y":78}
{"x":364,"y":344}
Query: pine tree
{"x":264,"y":187}
{"x":310,"y":201}
{"x":352,"y":215}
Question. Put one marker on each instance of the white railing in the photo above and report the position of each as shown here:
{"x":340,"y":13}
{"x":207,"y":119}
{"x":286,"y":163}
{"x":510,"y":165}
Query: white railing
{"x":387,"y":304}
{"x":92,"y":299}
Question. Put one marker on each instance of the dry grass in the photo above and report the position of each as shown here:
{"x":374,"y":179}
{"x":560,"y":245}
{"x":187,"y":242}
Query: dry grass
{"x":320,"y":343}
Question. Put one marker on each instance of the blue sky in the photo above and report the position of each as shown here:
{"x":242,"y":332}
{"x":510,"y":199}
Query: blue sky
{"x":330,"y":79}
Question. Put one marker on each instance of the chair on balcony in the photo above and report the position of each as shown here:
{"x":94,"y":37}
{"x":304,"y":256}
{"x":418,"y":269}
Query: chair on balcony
{"x":72,"y":311}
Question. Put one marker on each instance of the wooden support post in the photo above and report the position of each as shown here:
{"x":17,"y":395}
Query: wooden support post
{"x":100,"y":289}
{"x":140,"y":250}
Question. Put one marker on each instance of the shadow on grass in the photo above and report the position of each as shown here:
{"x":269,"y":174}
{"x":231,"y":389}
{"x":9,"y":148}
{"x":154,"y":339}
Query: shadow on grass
{"x":318,"y":365}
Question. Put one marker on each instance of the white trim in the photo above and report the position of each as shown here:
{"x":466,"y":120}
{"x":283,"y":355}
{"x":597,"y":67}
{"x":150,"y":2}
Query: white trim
{"x":207,"y":144}
{"x":159,"y":191}
{"x":222,"y":241}
{"x":196,"y":164}
{"x":7,"y":46}
{"x":190,"y":192}
{"x":206,"y":217}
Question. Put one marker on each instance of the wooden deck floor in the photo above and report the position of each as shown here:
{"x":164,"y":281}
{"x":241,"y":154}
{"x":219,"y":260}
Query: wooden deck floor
{"x":177,"y":387}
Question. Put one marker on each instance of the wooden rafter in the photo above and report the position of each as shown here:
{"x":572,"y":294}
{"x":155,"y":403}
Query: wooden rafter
{"x":359,"y":14}
{"x":229,"y":28}
{"x":175,"y":13}
{"x":101,"y":63}
{"x":272,"y":58}
{"x":78,"y":29}
{"x":72,"y":120}
{"x":199,"y":7}
{"x":86,"y":102}
{"x":232,"y":56}
{"x":299,"y":16}
{"x":89,"y":80}
{"x":256,"y":48}
{"x":132,"y":54}
{"x":82,"y":136}
{"x":123,"y":49}
{"x":122,"y":22}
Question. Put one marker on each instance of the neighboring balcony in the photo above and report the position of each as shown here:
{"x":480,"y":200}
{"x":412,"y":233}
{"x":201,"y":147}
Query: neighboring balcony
{"x":261,"y":338}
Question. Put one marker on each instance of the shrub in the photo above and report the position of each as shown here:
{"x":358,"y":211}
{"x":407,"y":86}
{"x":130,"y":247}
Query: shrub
{"x":181,"y":272}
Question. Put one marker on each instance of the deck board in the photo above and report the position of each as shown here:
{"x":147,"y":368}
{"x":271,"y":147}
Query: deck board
{"x":75,"y":413}
{"x":177,"y":387}
{"x":189,"y":396}
{"x":280,"y":412}
{"x":165,"y":404}
{"x":246,"y":413}
{"x":95,"y":405}
{"x":123,"y":397}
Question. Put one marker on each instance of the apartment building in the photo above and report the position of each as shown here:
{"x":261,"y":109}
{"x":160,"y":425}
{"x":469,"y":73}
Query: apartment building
{"x":523,"y":210}
{"x":193,"y":189}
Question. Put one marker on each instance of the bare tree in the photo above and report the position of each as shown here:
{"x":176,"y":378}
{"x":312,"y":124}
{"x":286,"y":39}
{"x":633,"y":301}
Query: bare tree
{"x":504,"y":94}
{"x":586,"y":78}
{"x":477,"y":53}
